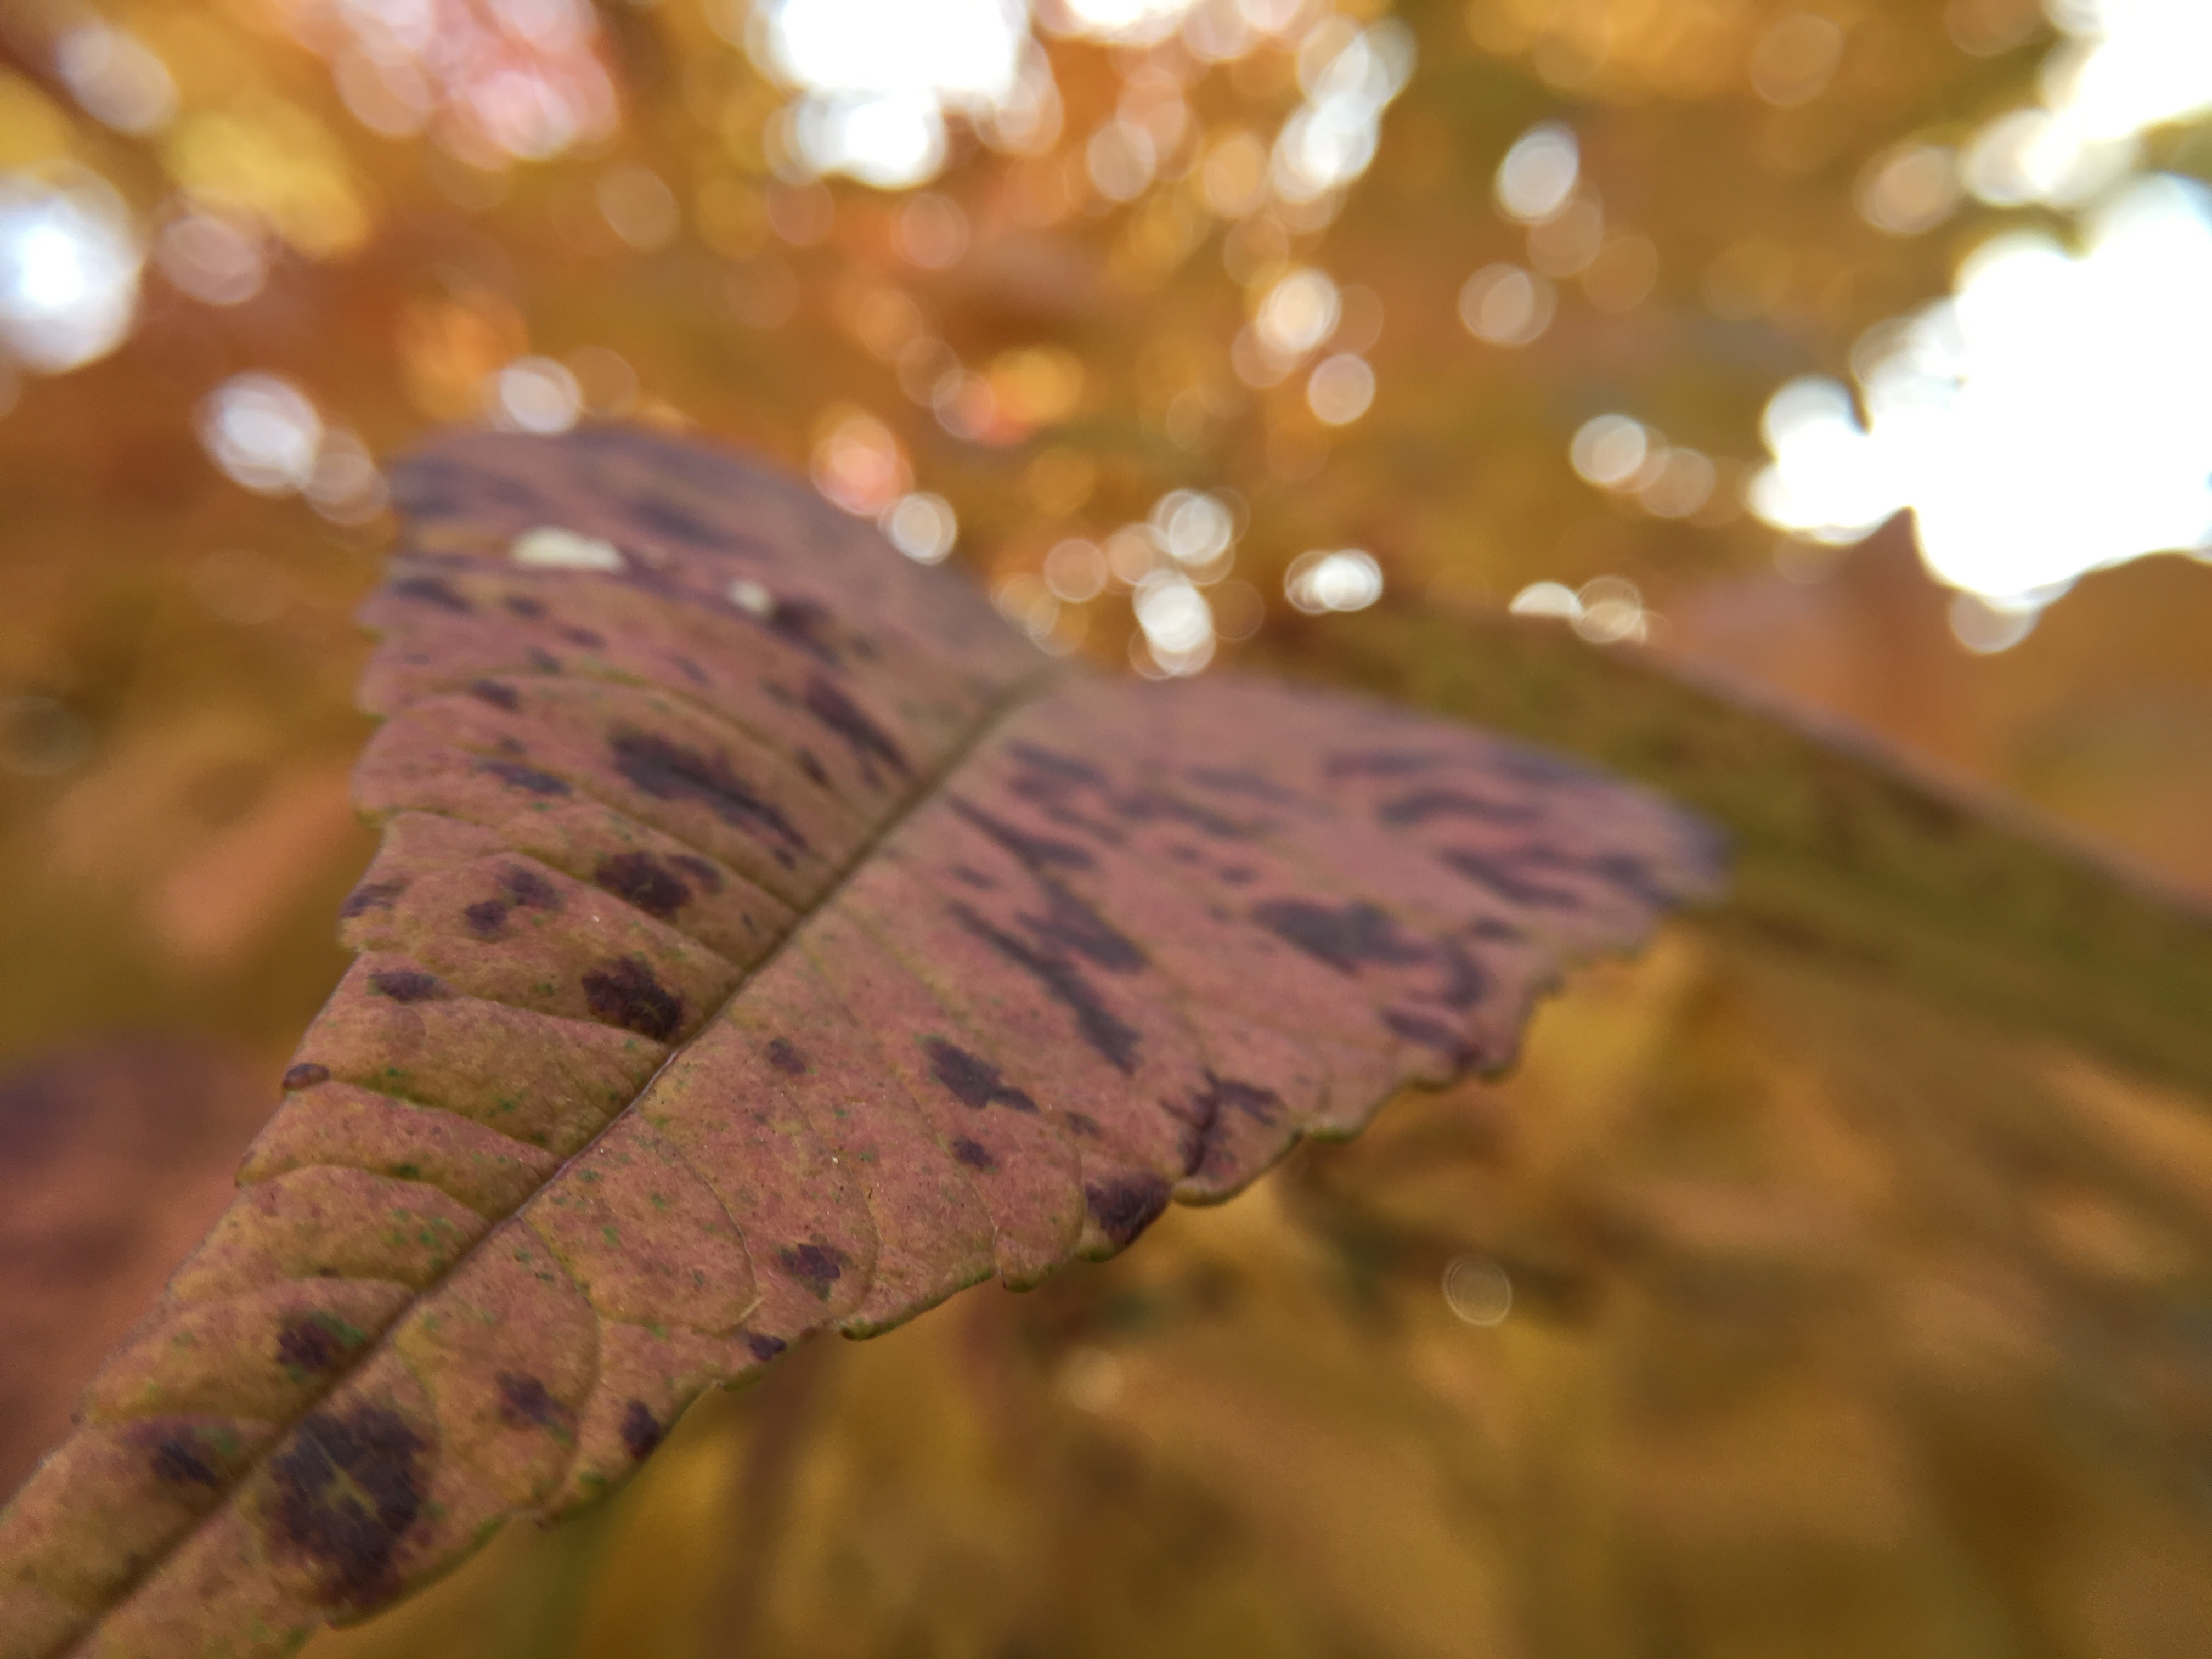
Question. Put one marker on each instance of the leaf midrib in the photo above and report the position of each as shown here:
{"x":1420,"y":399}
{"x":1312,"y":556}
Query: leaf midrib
{"x":1022,"y":692}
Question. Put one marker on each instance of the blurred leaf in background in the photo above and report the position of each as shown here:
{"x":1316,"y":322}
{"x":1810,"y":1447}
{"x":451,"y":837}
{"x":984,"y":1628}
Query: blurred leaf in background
{"x":1185,"y":327}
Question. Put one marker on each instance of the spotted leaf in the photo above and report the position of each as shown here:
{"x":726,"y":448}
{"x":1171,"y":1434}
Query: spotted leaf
{"x":764,"y":941}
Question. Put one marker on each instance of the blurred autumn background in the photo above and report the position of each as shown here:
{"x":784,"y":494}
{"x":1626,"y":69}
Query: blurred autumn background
{"x":1854,"y":350}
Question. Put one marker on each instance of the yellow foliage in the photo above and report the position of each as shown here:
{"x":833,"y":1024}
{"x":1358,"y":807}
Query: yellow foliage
{"x":265,"y":157}
{"x":31,"y":128}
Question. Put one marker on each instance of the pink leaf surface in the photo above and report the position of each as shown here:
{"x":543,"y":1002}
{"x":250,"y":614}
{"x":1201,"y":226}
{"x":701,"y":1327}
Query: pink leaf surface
{"x":764,"y":941}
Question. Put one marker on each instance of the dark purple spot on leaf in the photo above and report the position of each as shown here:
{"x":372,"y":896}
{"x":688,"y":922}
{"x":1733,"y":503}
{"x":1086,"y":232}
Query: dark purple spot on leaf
{"x":1048,"y":793}
{"x":589,"y":639}
{"x":1155,"y":805}
{"x":310,"y":1343}
{"x":1063,"y":766}
{"x":1622,"y":870}
{"x":700,"y":872}
{"x":973,"y":1082}
{"x":406,"y":985}
{"x":764,"y":1348}
{"x":524,"y":605}
{"x":1429,"y":1032}
{"x":1071,"y":923}
{"x":811,"y":764}
{"x":371,"y":896}
{"x":642,"y":880}
{"x":491,"y":692}
{"x":1207,"y":1116}
{"x":525,"y":888}
{"x":1113,"y":1038}
{"x":179,"y":1459}
{"x":524,"y":1403}
{"x":347,"y":1487}
{"x":1423,"y":804}
{"x":664,"y":517}
{"x":972,"y":1153}
{"x":625,"y":992}
{"x":1499,"y":876}
{"x":433,"y":590}
{"x":1343,"y":936}
{"x":1259,"y":1104}
{"x":1124,"y":1207}
{"x":641,"y":1429}
{"x":840,"y":714}
{"x":1464,"y":981}
{"x":1034,"y":851}
{"x":527,"y":778}
{"x":785,"y":1058}
{"x":819,"y":1265}
{"x":486,"y":917}
{"x":306,"y":1075}
{"x":806,"y":625}
{"x":668,"y":771}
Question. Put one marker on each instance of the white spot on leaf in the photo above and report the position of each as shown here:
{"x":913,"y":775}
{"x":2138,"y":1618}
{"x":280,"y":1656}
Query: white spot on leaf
{"x":548,"y":547}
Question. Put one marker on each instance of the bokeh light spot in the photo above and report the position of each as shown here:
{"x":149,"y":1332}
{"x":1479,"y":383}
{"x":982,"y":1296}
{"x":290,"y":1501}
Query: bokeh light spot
{"x":1298,"y":312}
{"x":859,"y":465}
{"x":1796,"y":58}
{"x":69,"y":268}
{"x":1538,"y":173}
{"x":534,"y":394}
{"x":1075,"y":570}
{"x":263,"y":432}
{"x":1477,"y":1291}
{"x":1344,"y":580}
{"x":1341,"y":389}
{"x":116,"y":77}
{"x":877,"y":78}
{"x":1506,"y":306}
{"x":217,"y":258}
{"x":921,"y":526}
{"x":2047,"y":419}
{"x":1909,"y":190}
{"x":1176,"y":620}
{"x":1609,"y":450}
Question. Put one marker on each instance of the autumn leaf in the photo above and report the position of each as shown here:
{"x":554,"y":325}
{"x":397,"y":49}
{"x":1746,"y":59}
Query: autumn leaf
{"x":764,"y":941}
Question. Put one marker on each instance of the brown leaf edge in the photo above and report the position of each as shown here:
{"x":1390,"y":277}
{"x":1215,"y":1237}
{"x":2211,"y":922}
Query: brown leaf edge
{"x":597,"y":648}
